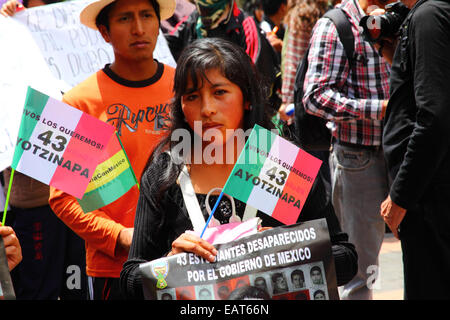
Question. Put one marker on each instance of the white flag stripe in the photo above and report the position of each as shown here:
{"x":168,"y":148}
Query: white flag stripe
{"x":280,"y":152}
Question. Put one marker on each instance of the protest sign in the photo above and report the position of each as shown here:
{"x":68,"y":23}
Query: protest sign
{"x":73,"y":51}
{"x":112,"y":178}
{"x":289,"y":262}
{"x":59,"y":145}
{"x":273,"y":175}
{"x":47,"y":48}
{"x":21,"y":65}
{"x":6,"y":285}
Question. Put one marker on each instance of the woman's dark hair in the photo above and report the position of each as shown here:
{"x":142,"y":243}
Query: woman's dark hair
{"x":195,"y":60}
{"x":103,"y":16}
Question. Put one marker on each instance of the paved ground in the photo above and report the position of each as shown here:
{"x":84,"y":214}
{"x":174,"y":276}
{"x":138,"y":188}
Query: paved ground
{"x":391,"y":271}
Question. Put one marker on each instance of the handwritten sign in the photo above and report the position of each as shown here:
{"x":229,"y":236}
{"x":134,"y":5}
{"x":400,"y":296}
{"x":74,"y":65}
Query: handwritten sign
{"x":73,"y":51}
{"x":47,"y":48}
{"x":21,"y":65}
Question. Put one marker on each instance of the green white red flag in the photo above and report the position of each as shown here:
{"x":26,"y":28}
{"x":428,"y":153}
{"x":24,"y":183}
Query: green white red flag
{"x":59,"y":145}
{"x":273,"y":175}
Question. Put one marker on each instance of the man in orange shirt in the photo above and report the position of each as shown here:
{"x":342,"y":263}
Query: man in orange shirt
{"x":133,"y":94}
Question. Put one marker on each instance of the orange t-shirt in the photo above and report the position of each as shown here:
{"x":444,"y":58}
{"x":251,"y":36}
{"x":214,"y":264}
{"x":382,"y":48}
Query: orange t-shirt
{"x":138,"y":110}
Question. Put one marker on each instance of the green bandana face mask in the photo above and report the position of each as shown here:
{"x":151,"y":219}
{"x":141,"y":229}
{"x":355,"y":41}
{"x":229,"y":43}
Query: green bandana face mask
{"x":210,"y":12}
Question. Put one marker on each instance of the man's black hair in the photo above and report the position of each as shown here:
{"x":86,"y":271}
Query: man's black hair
{"x":271,"y":7}
{"x":103,"y":15}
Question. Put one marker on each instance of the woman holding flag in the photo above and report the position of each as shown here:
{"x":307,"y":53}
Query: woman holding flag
{"x":217,"y":89}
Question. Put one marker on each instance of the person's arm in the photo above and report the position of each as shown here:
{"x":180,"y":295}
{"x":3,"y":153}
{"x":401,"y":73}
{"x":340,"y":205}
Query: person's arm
{"x":327,"y":73}
{"x":429,"y":143}
{"x":150,"y":238}
{"x":96,"y":227}
{"x":13,"y":249}
{"x":143,"y":248}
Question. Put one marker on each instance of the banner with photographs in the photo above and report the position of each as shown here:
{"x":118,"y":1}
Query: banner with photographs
{"x":6,"y":286}
{"x":284,"y":263}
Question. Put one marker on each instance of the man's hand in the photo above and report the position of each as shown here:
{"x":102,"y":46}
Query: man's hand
{"x":392,"y":214}
{"x":12,"y":246}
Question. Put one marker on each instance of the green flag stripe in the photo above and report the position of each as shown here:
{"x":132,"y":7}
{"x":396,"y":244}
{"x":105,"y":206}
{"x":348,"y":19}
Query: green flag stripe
{"x":35,"y":103}
{"x":249,"y":162}
{"x":108,"y":193}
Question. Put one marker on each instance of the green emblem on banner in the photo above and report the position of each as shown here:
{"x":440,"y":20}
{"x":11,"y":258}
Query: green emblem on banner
{"x":160,"y":270}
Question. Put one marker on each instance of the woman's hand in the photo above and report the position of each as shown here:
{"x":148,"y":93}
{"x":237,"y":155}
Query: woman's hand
{"x":191,"y":243}
{"x":12,"y":246}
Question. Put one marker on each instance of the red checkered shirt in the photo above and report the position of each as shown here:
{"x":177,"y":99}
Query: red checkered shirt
{"x":295,"y":48}
{"x":350,"y":98}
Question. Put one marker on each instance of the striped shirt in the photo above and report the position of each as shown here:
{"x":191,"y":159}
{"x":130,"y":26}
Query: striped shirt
{"x":350,"y":98}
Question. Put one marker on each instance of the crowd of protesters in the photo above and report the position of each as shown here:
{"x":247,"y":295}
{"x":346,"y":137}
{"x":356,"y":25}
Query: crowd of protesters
{"x":388,"y":162}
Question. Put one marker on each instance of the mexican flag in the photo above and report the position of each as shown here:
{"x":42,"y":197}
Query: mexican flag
{"x":112,"y":178}
{"x":59,"y":145}
{"x":273,"y":175}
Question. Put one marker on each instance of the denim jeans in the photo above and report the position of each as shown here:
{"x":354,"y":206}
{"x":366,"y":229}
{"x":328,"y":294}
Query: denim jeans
{"x":359,"y":185}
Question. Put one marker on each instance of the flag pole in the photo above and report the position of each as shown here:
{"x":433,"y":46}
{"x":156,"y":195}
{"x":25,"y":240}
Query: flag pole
{"x":7,"y":196}
{"x":212,"y":213}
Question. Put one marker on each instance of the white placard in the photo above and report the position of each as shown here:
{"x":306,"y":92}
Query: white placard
{"x":73,"y":51}
{"x":47,"y":48}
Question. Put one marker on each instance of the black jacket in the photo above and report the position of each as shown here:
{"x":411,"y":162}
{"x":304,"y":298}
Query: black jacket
{"x":416,"y":137}
{"x":161,"y":219}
